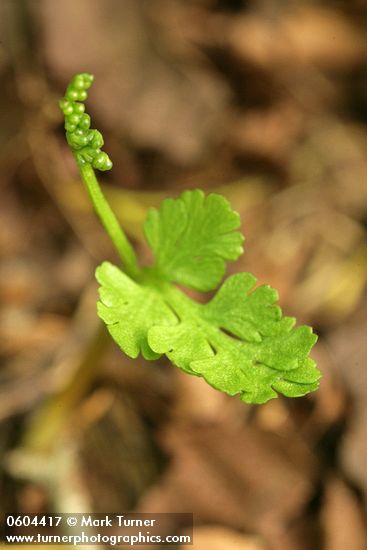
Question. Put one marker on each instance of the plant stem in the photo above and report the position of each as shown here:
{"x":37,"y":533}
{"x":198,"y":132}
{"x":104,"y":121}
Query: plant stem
{"x":109,"y":221}
{"x":47,"y":423}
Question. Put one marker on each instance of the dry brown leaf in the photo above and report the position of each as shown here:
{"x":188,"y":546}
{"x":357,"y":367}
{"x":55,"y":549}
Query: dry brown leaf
{"x":236,"y":476}
{"x":268,"y":133}
{"x":342,"y":518}
{"x":220,"y":538}
{"x":304,"y":34}
{"x":348,"y":347}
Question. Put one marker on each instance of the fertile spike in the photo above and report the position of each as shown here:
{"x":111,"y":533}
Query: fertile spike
{"x":85,"y":143}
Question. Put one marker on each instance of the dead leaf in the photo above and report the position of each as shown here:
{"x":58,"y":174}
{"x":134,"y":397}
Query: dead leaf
{"x":342,"y":518}
{"x":236,"y":476}
{"x":218,"y":538}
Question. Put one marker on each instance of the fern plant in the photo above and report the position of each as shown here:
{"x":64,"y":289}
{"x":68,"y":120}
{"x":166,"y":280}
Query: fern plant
{"x":239,"y":342}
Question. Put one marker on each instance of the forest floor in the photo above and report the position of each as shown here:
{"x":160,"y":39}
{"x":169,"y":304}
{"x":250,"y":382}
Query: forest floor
{"x":266,"y":103}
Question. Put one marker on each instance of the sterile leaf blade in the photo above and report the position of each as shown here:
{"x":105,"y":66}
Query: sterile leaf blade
{"x":192,"y":237}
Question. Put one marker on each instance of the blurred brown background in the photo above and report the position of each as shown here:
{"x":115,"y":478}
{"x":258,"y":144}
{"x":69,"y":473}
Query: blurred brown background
{"x":266,"y":102}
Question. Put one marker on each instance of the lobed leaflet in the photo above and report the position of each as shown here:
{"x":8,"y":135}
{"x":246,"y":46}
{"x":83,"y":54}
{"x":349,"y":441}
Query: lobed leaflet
{"x":239,"y":341}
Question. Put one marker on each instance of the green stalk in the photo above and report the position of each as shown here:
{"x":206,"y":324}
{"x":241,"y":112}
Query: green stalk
{"x":86,"y":145}
{"x":109,"y":221}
